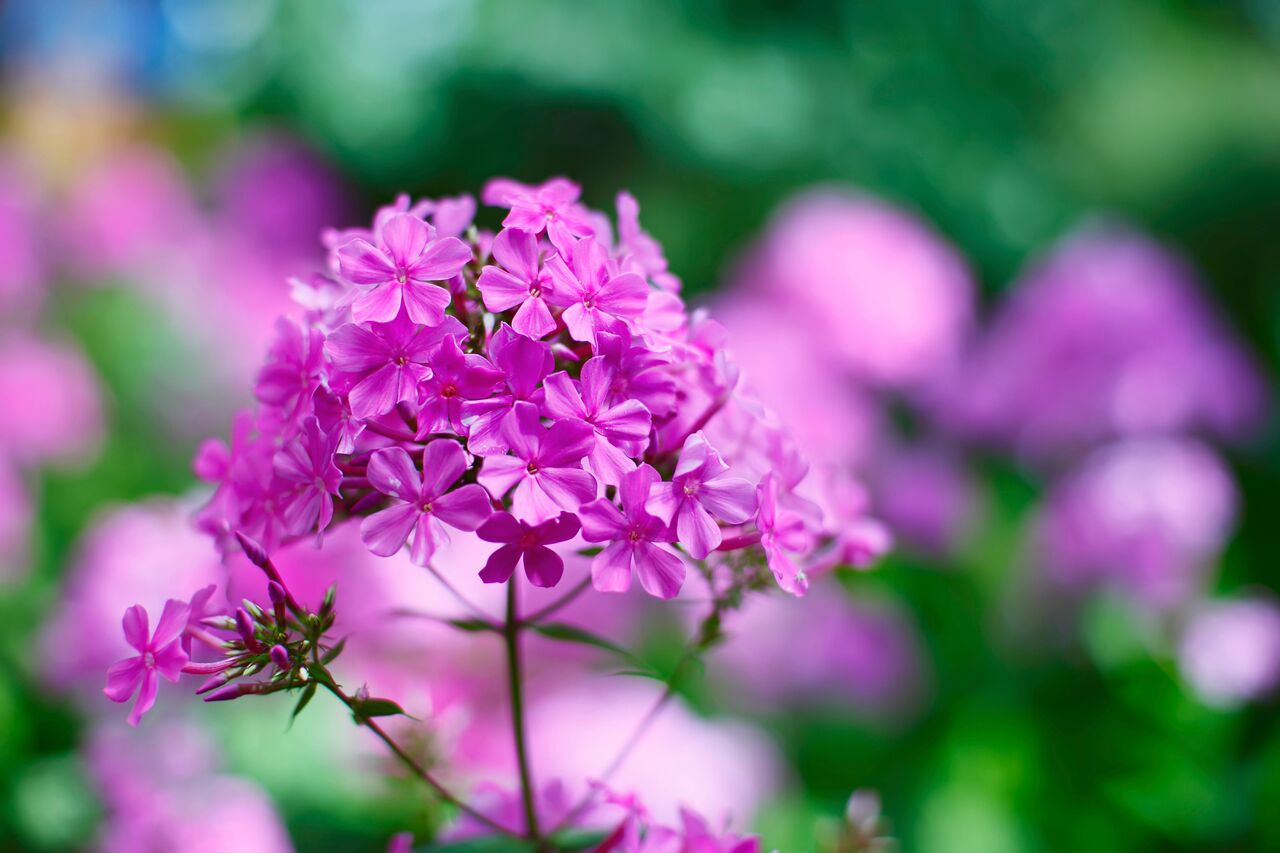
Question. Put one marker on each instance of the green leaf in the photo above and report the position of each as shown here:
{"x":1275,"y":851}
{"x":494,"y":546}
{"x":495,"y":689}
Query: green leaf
{"x":472,"y":625}
{"x":332,"y":655}
{"x":307,"y":693}
{"x":376,"y":708}
{"x":590,"y":551}
{"x":573,"y":634}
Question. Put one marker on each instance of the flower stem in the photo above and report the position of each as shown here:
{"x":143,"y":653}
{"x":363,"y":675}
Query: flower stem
{"x":515,"y":681}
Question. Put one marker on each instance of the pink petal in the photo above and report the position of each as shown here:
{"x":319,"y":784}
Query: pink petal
{"x":443,"y":462}
{"x":355,"y":349}
{"x":501,"y":527}
{"x":378,"y":392}
{"x":173,"y":621}
{"x":170,"y":660}
{"x":664,"y":500}
{"x":623,"y":295}
{"x":499,"y":473}
{"x":302,"y":511}
{"x":146,"y":697}
{"x":501,"y":564}
{"x":697,"y":530}
{"x":425,"y":303}
{"x":661,"y":572}
{"x":465,"y":508}
{"x":360,"y":262}
{"x":384,"y":533}
{"x":559,"y":529}
{"x":392,"y":472}
{"x":568,"y":488}
{"x":693,"y":456}
{"x":135,"y":627}
{"x":611,"y":568}
{"x":501,"y":290}
{"x":531,"y":503}
{"x":636,"y":488}
{"x":627,"y":421}
{"x":601,"y":521}
{"x":122,"y":679}
{"x":404,"y":236}
{"x":580,"y":322}
{"x":543,"y":566}
{"x":730,"y":499}
{"x":608,"y":462}
{"x":442,"y":260}
{"x":381,"y":304}
{"x":563,"y":399}
{"x":525,"y":432}
{"x":566,"y":443}
{"x":534,"y":319}
{"x":427,"y":536}
{"x":517,"y":251}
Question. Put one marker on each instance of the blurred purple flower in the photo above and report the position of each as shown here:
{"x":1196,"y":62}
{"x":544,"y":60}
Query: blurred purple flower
{"x":53,"y":408}
{"x":1147,"y":516}
{"x":1108,"y":336}
{"x":1230,"y":650}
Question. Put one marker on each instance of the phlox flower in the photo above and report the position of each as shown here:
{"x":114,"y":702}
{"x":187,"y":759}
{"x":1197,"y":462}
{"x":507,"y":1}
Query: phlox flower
{"x":782,"y":532}
{"x":597,"y":296}
{"x":294,"y":368}
{"x":524,"y":364}
{"x":637,"y":540}
{"x":159,"y":653}
{"x":519,"y":280}
{"x":401,"y":269}
{"x":700,"y":492}
{"x":455,"y":378}
{"x":525,"y":542}
{"x":545,"y":466}
{"x":621,"y":428}
{"x":423,"y":504}
{"x":552,"y":207}
{"x":638,"y":373}
{"x":640,"y":247}
{"x":384,"y":362}
{"x":307,"y":465}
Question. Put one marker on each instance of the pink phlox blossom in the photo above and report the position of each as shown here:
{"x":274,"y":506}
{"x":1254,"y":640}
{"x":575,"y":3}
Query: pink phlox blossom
{"x":545,"y":466}
{"x":597,"y":296}
{"x":637,"y":540}
{"x":294,"y":369}
{"x":551,"y":207}
{"x":640,"y":248}
{"x":525,"y":542}
{"x":422,"y":504}
{"x":456,"y":378}
{"x":159,"y":654}
{"x":524,"y":363}
{"x":519,"y":281}
{"x":403,"y":268}
{"x":783,"y":533}
{"x":638,"y":373}
{"x":307,"y":466}
{"x":382,"y":363}
{"x":622,"y":428}
{"x":700,"y":492}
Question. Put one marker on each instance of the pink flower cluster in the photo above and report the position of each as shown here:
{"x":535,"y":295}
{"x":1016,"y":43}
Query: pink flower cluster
{"x":542,"y":388}
{"x":536,"y":385}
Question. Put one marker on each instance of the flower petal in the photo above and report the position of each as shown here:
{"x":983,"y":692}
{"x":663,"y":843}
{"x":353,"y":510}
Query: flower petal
{"x":392,"y":472}
{"x":173,"y":621}
{"x":443,"y":462}
{"x":122,"y":679}
{"x":501,"y":564}
{"x":542,"y":566}
{"x":146,"y":697}
{"x":661,"y":572}
{"x":611,"y":568}
{"x":384,"y":533}
{"x":136,"y":630}
{"x":465,"y":508}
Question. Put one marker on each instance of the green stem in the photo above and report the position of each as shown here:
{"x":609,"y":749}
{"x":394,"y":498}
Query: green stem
{"x":515,"y":681}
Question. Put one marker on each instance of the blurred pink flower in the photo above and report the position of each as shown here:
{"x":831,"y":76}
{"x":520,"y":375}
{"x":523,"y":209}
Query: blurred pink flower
{"x":53,"y":407}
{"x":1230,"y":650}
{"x":837,"y":650}
{"x":885,"y":297}
{"x":926,"y":495}
{"x":1107,"y":336}
{"x":1145,"y":515}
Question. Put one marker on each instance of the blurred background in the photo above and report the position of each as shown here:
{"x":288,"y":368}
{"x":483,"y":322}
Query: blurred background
{"x":1014,"y":264}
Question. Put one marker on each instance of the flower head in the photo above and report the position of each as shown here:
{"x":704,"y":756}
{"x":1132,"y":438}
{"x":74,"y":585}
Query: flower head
{"x":638,"y":541}
{"x":160,"y":653}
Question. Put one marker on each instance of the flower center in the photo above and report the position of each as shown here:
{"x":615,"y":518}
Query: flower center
{"x":425,"y":506}
{"x":402,"y":275}
{"x":449,"y":391}
{"x":532,"y":468}
{"x":633,"y":534}
{"x":691,"y":487}
{"x":149,"y":660}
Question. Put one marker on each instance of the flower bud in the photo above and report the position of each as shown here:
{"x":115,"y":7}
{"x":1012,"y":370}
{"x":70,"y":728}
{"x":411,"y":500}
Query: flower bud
{"x":245,"y":627}
{"x":280,"y":657}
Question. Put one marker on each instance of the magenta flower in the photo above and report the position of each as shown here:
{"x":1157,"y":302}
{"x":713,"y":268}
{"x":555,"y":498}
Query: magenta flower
{"x":639,"y":373}
{"x":644,"y":251}
{"x":307,"y":465}
{"x":384,"y":362}
{"x":518,"y":280}
{"x":599,"y":299}
{"x":402,"y":269}
{"x":525,"y":363}
{"x":552,"y":207}
{"x":294,"y":367}
{"x":523,"y":541}
{"x":781,"y":531}
{"x":698,"y":494}
{"x":160,"y":652}
{"x":422,"y":506}
{"x":455,"y":378}
{"x":545,"y":466}
{"x":637,"y":540}
{"x":621,"y":429}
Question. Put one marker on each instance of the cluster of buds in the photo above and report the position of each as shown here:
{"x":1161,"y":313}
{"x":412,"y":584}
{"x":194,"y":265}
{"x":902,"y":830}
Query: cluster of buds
{"x":283,"y":642}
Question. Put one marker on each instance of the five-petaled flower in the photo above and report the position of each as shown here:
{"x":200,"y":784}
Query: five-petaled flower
{"x":160,"y":653}
{"x":526,"y":542}
{"x":700,"y":492}
{"x":545,"y":466}
{"x":637,"y":540}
